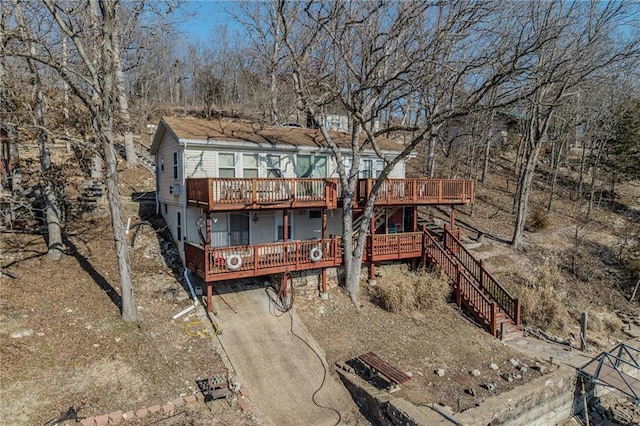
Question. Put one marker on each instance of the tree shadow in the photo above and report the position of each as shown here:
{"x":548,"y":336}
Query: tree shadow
{"x":102,"y":282}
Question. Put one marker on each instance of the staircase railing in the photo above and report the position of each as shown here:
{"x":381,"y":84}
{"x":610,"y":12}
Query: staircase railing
{"x":465,"y":290}
{"x":509,"y":304}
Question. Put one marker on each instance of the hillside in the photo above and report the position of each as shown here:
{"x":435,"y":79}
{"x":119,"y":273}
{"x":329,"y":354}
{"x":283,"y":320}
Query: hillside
{"x":64,"y":341}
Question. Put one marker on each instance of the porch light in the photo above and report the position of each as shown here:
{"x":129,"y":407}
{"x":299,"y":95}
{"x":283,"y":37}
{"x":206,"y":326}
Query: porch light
{"x":255,"y":218}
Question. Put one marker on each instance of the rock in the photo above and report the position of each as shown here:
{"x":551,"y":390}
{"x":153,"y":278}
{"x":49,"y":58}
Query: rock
{"x":507,"y":377}
{"x":439,"y":372}
{"x":493,"y":366}
{"x":475,"y":373}
{"x":523,"y":369}
{"x":491,"y":387}
{"x":22,"y":333}
{"x":514,"y":362}
{"x":470,"y":391}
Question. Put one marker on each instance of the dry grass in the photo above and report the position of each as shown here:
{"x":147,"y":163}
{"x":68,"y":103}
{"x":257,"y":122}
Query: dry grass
{"x":542,"y":299}
{"x":538,"y":220}
{"x":404,"y":291}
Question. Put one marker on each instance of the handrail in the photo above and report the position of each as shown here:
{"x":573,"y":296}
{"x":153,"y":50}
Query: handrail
{"x":437,"y":191}
{"x":466,"y":292}
{"x":404,"y":242}
{"x":273,"y":255}
{"x":260,"y":191}
{"x":509,"y":304}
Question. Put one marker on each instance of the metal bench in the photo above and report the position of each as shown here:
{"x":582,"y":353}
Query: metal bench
{"x":377,"y":366}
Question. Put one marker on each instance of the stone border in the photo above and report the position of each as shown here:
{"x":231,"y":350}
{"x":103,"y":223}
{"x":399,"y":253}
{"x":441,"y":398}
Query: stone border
{"x":119,"y":416}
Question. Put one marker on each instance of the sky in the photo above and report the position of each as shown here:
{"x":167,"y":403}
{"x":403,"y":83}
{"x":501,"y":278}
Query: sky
{"x":205,"y":17}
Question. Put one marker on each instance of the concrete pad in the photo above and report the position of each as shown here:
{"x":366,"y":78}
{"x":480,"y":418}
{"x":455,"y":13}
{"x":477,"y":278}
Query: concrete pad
{"x":279,"y":370}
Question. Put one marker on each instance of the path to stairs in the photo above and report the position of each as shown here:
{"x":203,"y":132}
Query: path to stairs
{"x":280,"y":372}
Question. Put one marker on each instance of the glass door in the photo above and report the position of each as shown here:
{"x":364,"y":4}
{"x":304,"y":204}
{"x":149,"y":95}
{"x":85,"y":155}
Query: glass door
{"x":238,"y":229}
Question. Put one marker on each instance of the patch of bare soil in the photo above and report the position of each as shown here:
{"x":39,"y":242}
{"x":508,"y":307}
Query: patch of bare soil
{"x":419,"y":341}
{"x":65,"y":350}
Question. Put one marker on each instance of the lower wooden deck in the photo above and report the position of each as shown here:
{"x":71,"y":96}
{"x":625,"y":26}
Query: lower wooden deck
{"x":226,"y":263}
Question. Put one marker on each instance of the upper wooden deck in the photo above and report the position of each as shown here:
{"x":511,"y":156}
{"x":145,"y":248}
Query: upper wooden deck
{"x":217,"y":194}
{"x":417,"y":192}
{"x":226,"y":194}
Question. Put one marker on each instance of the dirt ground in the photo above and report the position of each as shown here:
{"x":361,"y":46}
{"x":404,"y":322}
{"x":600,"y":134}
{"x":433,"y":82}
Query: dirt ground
{"x":419,"y":342}
{"x":66,"y":352}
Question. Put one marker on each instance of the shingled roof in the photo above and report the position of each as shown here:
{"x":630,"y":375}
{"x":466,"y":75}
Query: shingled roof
{"x":199,"y":129}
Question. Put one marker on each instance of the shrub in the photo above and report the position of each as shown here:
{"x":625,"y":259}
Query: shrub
{"x":403,"y":292}
{"x":538,"y":220}
{"x":542,"y":298}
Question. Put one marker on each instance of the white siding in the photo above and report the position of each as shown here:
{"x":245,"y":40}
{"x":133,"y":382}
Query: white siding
{"x":201,"y":162}
{"x":263,"y":231}
{"x":334,"y":222}
{"x":164,"y":160}
{"x":305,"y":228}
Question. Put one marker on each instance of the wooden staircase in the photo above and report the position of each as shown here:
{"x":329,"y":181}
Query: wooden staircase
{"x":475,"y":289}
{"x":380,"y":216}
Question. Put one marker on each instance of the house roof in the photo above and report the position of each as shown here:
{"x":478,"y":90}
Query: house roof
{"x":228,"y":130}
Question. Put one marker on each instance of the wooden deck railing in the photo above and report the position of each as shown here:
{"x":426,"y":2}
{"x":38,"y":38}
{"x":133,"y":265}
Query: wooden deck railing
{"x":221,"y":263}
{"x":418,"y":191}
{"x":396,"y":246}
{"x":245,"y":193}
{"x":485,"y":281}
{"x":465,"y":291}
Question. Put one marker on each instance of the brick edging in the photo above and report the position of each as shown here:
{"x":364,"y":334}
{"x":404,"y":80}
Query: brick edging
{"x":119,"y":416}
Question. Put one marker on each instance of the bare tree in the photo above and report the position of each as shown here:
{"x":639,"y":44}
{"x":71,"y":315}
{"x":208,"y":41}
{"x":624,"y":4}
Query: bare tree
{"x":91,"y":31}
{"x":579,"y":45}
{"x":50,"y":187}
{"x":370,"y":56}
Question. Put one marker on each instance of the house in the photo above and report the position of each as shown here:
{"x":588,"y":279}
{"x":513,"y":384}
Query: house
{"x":244,"y":200}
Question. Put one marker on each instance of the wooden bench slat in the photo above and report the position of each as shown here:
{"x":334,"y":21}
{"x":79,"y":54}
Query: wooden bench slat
{"x":384,"y":368}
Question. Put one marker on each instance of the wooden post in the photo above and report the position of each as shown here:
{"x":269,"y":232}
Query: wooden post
{"x":458,"y":293}
{"x":494,"y":317}
{"x":453,"y":217}
{"x":517,"y":312}
{"x":415,"y":218}
{"x":324,"y":280}
{"x":324,"y":223}
{"x":481,"y":280}
{"x":209,"y":298}
{"x":583,"y":331}
{"x":285,"y":225}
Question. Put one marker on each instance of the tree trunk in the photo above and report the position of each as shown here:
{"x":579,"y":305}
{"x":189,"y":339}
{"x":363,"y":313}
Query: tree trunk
{"x":123,"y":102}
{"x":523,"y":198}
{"x":431,"y":156}
{"x":129,"y":309}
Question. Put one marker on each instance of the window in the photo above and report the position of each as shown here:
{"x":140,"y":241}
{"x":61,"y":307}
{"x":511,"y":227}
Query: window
{"x":226,"y":165}
{"x":162,"y":163}
{"x":371,"y":169}
{"x":311,"y":166}
{"x":273,"y":166}
{"x":179,"y":227}
{"x":250,"y":165}
{"x":176,"y":165}
{"x":315,"y":214}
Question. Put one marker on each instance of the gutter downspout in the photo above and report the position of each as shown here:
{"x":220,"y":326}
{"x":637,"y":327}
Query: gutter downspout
{"x":183,"y":199}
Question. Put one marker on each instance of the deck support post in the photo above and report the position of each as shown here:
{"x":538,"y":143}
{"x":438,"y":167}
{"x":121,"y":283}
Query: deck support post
{"x":323,"y":288}
{"x":452,"y":217}
{"x":209,"y":298}
{"x":324,"y":223}
{"x":285,"y":225}
{"x":415,"y":218}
